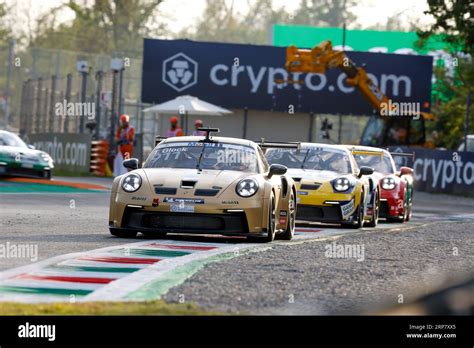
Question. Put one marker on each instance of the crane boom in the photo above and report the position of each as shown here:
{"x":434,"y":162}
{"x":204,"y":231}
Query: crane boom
{"x":323,"y":57}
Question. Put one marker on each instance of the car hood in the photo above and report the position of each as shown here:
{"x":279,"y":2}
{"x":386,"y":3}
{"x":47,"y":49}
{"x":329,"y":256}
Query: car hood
{"x":172,"y":177}
{"x":319,"y":175}
{"x":26,"y":153}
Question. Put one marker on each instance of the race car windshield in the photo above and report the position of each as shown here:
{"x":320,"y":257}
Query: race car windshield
{"x":315,"y":158}
{"x":7,"y":139}
{"x":209,"y":156}
{"x":379,"y":163}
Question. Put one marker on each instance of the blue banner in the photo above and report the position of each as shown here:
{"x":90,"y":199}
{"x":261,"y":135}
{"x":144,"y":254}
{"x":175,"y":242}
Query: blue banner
{"x":441,"y":171}
{"x":238,"y":76}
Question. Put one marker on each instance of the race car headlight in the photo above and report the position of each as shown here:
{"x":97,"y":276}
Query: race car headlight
{"x":388,"y":183}
{"x":131,"y":182}
{"x":246,"y":188}
{"x":47,"y":158}
{"x":341,"y":184}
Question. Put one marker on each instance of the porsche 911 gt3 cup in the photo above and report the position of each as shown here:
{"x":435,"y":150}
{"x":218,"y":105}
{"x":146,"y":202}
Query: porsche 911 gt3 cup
{"x":396,"y":187}
{"x":205,"y":185}
{"x":330,"y":186}
{"x":19,"y":159}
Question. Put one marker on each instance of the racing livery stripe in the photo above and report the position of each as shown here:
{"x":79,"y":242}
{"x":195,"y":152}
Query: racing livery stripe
{"x":121,"y":260}
{"x":179,"y":247}
{"x":151,"y":252}
{"x":45,"y":291}
{"x":90,"y":280}
{"x":93,"y":269}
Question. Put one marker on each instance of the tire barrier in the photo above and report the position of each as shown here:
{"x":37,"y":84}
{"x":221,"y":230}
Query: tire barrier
{"x":99,"y":151}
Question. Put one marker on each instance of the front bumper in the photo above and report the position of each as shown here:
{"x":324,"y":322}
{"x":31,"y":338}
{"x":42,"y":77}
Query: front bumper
{"x":390,"y":206}
{"x":152,"y":221}
{"x":35,"y":171}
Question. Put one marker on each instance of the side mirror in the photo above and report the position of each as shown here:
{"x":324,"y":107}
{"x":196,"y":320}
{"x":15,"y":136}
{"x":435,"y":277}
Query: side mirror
{"x":131,"y":164}
{"x":276,"y":169}
{"x":406,"y":171}
{"x":365,"y":171}
{"x":31,"y":147}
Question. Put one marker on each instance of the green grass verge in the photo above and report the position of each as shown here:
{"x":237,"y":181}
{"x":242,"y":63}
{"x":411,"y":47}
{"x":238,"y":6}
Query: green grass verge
{"x":157,"y":307}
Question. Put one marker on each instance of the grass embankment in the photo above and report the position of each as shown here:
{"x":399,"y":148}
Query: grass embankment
{"x":157,"y":307}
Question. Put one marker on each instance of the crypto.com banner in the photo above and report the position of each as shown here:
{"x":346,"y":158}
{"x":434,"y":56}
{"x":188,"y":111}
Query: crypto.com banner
{"x":238,"y":76}
{"x":439,"y":170}
{"x":70,"y":152}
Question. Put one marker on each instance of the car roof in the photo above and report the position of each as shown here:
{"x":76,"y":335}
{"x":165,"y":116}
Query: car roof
{"x":228,"y":140}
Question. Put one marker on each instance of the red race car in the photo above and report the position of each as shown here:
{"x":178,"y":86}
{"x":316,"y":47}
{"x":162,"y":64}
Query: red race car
{"x":396,"y":187}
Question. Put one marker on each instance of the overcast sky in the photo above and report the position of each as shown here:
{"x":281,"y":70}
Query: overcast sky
{"x":183,"y":13}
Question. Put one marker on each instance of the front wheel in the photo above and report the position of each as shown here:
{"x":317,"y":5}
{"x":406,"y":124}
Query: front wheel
{"x":360,"y":215}
{"x":376,"y":210}
{"x":122,"y":233}
{"x":290,"y":228}
{"x":271,"y":225}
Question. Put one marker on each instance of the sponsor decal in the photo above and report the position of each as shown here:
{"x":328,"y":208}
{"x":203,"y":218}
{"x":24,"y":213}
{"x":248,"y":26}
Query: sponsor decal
{"x":136,"y":198}
{"x":347,"y":209}
{"x":181,"y":208}
{"x":183,"y":200}
{"x":230,"y":202}
{"x":302,"y":193}
{"x":283,"y":213}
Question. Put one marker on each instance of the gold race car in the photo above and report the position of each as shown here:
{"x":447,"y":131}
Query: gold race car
{"x":330,"y":186}
{"x":204,"y":185}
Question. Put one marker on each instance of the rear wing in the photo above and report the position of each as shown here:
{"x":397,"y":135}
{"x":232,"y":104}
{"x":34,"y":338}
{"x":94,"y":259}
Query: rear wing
{"x":159,"y":139}
{"x":278,"y":144}
{"x":367,"y":153}
{"x":207,"y":136}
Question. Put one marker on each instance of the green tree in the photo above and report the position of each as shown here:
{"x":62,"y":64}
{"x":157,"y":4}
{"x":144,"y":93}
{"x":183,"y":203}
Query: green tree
{"x":454,"y":19}
{"x":106,"y":26}
{"x":221,"y":22}
{"x":5,"y":31}
{"x":325,"y":13}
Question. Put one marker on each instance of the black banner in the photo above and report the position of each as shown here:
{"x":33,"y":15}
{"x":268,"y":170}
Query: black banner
{"x":440,"y":171}
{"x":238,"y":76}
{"x":428,"y":331}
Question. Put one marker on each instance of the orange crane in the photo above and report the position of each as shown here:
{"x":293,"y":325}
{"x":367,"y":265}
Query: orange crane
{"x":323,"y":57}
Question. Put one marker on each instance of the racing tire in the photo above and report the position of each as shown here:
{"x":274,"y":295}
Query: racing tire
{"x":271,"y":225}
{"x":122,"y":233}
{"x":376,"y":209}
{"x":410,"y":208}
{"x":290,"y":228}
{"x":360,"y":215}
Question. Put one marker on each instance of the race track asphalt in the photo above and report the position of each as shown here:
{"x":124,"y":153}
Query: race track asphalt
{"x":65,"y":222}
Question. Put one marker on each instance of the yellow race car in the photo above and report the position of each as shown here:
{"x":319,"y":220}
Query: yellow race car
{"x":330,"y":186}
{"x":204,"y":185}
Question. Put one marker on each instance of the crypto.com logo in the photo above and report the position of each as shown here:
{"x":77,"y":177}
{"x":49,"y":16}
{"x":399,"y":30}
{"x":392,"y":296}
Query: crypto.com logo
{"x":180,"y":72}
